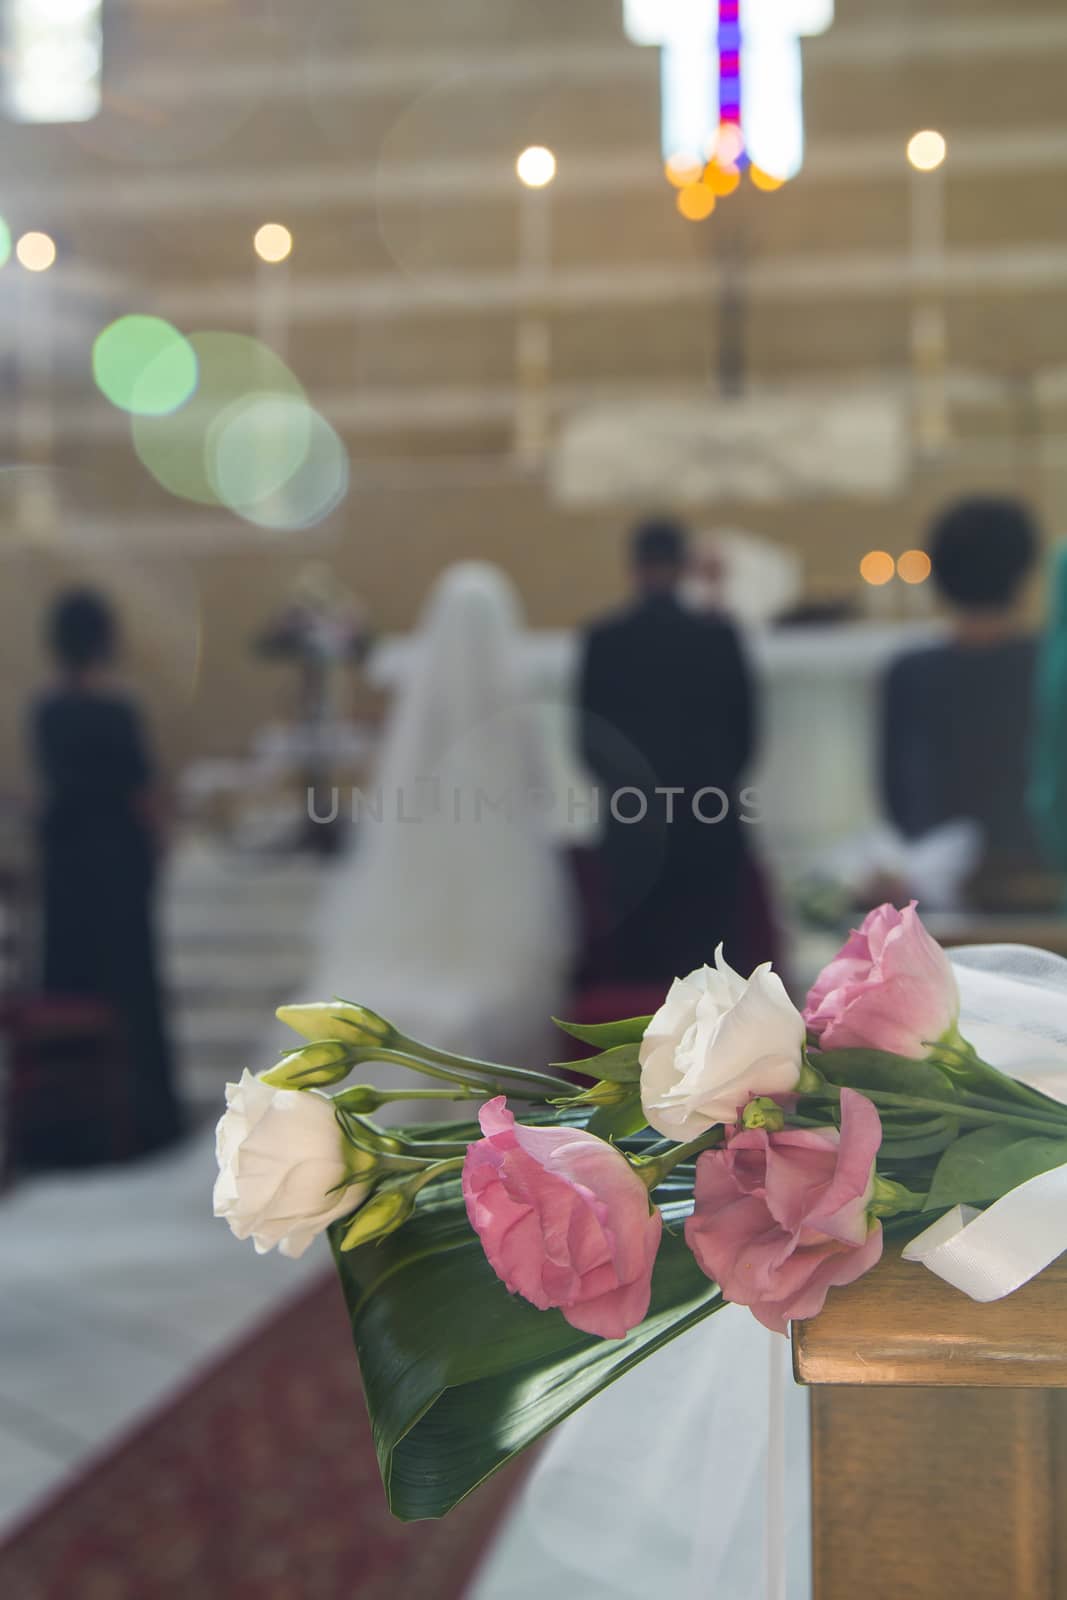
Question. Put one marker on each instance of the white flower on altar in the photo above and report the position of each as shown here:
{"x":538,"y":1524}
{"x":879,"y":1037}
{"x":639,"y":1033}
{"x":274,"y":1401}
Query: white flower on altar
{"x":286,"y":1170}
{"x":717,"y":1040}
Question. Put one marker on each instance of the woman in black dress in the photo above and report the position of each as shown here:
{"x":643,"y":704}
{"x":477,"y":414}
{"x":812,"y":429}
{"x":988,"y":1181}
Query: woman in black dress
{"x":99,"y":847}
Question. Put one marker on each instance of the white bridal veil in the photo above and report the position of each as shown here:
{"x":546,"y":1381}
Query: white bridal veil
{"x":690,"y":1475}
{"x":450,"y":913}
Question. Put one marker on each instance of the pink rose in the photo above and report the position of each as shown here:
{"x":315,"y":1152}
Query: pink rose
{"x":564,"y":1220}
{"x":891,"y":988}
{"x":781,"y":1218}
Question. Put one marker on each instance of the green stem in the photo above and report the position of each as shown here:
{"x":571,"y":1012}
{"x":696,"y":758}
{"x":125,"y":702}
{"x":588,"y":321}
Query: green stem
{"x":653,"y":1169}
{"x":544,"y":1081}
{"x":951,"y":1108}
{"x":400,"y":1059}
{"x":438,"y":1149}
{"x":956,"y":1056}
{"x":441,"y":1169}
{"x":403,"y":1163}
{"x":988,"y":1103}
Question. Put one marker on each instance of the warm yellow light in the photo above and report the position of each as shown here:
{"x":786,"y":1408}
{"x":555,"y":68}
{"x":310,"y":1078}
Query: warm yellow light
{"x":682,"y":169}
{"x":536,"y":166}
{"x":913,"y":566}
{"x":36,"y":251}
{"x":765,"y":180}
{"x":721,"y":180}
{"x":926,"y":150}
{"x":696,"y":202}
{"x":273,"y":242}
{"x":877,"y":567}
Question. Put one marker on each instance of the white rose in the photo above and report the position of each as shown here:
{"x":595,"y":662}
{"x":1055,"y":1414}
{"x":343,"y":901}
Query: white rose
{"x":716,"y":1040}
{"x":285,"y":1168}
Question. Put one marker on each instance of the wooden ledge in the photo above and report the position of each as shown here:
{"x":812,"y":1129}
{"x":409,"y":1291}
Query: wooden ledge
{"x":902,"y":1325}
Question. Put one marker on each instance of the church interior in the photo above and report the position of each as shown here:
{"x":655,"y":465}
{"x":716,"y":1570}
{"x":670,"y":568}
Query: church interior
{"x":358,"y":357}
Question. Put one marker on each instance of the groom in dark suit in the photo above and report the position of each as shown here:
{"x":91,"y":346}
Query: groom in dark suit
{"x":666,"y":728}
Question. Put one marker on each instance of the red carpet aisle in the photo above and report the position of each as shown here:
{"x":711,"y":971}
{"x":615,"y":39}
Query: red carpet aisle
{"x":259,"y":1482}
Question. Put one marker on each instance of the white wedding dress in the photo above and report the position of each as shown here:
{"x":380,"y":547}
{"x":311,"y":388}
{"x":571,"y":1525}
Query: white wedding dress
{"x":450,"y":915}
{"x":689,"y":1477}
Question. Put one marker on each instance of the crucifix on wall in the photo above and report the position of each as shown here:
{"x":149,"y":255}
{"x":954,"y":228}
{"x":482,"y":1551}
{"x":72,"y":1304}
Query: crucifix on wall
{"x":732,"y":108}
{"x":731,"y":68}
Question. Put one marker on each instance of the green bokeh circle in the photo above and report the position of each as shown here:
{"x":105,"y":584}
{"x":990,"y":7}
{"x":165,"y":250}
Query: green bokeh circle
{"x":145,"y":366}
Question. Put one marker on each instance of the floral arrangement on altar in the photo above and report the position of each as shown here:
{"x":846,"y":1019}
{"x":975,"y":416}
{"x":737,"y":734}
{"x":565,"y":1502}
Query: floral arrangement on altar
{"x":730,"y":1148}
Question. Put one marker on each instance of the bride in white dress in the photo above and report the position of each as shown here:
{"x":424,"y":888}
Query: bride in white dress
{"x":450,"y":914}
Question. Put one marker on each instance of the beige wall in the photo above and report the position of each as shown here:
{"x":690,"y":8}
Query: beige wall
{"x":397,"y":182}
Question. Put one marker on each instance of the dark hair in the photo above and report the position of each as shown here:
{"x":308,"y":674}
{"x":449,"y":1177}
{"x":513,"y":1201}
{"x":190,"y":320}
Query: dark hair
{"x":82,"y":630}
{"x":981,"y":549}
{"x":659,"y":542}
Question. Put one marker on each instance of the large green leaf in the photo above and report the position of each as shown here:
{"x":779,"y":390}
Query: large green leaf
{"x":606,"y":1035}
{"x":982,"y":1166}
{"x":460,"y":1375}
{"x":620,"y":1064}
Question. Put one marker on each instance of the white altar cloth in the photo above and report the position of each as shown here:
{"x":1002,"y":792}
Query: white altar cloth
{"x":817,"y":768}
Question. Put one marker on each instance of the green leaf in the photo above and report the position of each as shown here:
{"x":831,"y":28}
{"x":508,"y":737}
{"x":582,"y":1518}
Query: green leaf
{"x":460,"y":1375}
{"x":605,"y":1035}
{"x":619,"y":1122}
{"x":984,"y":1165}
{"x":877,"y":1069}
{"x":620,"y":1064}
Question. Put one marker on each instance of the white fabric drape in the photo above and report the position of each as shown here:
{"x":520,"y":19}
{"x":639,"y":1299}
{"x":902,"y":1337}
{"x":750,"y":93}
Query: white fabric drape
{"x":1015,"y":1005}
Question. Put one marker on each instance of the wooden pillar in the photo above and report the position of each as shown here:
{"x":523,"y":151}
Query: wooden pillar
{"x":939,"y":1439}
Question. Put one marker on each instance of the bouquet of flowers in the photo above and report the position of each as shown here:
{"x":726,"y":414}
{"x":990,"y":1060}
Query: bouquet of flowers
{"x":727,"y":1149}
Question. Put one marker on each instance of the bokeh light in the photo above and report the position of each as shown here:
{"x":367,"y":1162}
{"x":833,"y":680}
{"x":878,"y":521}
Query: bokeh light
{"x":316,"y":487}
{"x":536,"y":166}
{"x":728,"y":146}
{"x":144,"y":365}
{"x":682,"y":169}
{"x":913,"y":566}
{"x":273,"y":242}
{"x":233,"y":368}
{"x":254,"y":447}
{"x":927,"y":150}
{"x":765,"y":180}
{"x":5,"y":243}
{"x":877,"y":567}
{"x":695,"y":202}
{"x":721,"y":180}
{"x":36,"y":251}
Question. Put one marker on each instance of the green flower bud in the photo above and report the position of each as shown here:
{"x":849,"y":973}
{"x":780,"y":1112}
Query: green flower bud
{"x":889,"y":1199}
{"x":763,"y":1113}
{"x":363,"y":1098}
{"x":382,"y":1214}
{"x":810,"y":1080}
{"x":340,"y":1020}
{"x":314,"y":1066}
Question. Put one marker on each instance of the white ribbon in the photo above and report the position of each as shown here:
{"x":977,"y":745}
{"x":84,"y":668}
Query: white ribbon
{"x":989,"y":1254}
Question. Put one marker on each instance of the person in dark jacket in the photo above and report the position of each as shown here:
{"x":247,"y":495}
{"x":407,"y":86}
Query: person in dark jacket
{"x":958,"y":715}
{"x":98,"y":838}
{"x":667,"y":728}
